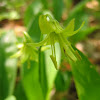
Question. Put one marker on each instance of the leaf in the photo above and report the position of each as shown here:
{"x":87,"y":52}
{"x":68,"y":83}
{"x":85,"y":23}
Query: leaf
{"x":58,"y":9}
{"x":32,"y":10}
{"x":86,"y":78}
{"x":63,"y":80}
{"x":45,"y":4}
{"x":30,"y":81}
{"x":11,"y":98}
{"x":47,"y":70}
{"x":42,"y":73}
{"x":33,"y":29}
{"x":41,"y":76}
{"x":19,"y":92}
{"x":51,"y":72}
{"x":8,"y":66}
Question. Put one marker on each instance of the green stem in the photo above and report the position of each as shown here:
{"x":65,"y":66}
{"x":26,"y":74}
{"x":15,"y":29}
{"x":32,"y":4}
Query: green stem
{"x":42,"y":72}
{"x":40,"y":61}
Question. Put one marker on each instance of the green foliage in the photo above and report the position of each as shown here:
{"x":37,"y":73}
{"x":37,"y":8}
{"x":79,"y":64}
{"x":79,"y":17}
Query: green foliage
{"x":19,"y":92}
{"x":11,"y":98}
{"x":80,"y":14}
{"x":63,"y":80}
{"x":55,"y":33}
{"x":86,"y":78}
{"x":8,"y":66}
{"x":34,"y":30}
{"x":44,"y":45}
{"x":58,"y":9}
{"x":30,"y":83}
{"x":31,"y":11}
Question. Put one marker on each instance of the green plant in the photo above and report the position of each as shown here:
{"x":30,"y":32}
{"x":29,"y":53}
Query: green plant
{"x":37,"y":69}
{"x":54,"y":33}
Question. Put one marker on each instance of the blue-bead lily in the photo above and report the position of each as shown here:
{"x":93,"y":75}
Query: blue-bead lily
{"x":55,"y":33}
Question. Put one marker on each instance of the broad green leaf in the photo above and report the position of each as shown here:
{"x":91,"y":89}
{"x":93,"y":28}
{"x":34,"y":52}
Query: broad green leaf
{"x":42,"y":73}
{"x":41,"y":76}
{"x":45,"y":3}
{"x":30,"y":81}
{"x":51,"y":72}
{"x":8,"y":66}
{"x":63,"y":80}
{"x":58,"y":9}
{"x":32,"y":10}
{"x":11,"y":98}
{"x":33,"y":28}
{"x":19,"y":92}
{"x":87,"y":79}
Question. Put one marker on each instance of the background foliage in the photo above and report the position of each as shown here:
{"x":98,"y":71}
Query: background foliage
{"x":42,"y":81}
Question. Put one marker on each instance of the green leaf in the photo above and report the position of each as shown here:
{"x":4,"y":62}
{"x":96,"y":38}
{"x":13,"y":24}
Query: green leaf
{"x":63,"y":80}
{"x":30,"y":81}
{"x":47,"y":71}
{"x":11,"y":98}
{"x":42,"y":73}
{"x":58,"y":9}
{"x":51,"y":72}
{"x":86,"y":78}
{"x":19,"y":92}
{"x":8,"y":66}
{"x":45,"y":3}
{"x":33,"y":28}
{"x":32,"y":10}
{"x":40,"y":76}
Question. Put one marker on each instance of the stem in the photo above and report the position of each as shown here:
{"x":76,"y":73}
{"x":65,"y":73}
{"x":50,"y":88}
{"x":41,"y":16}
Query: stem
{"x":40,"y":61}
{"x":42,"y":72}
